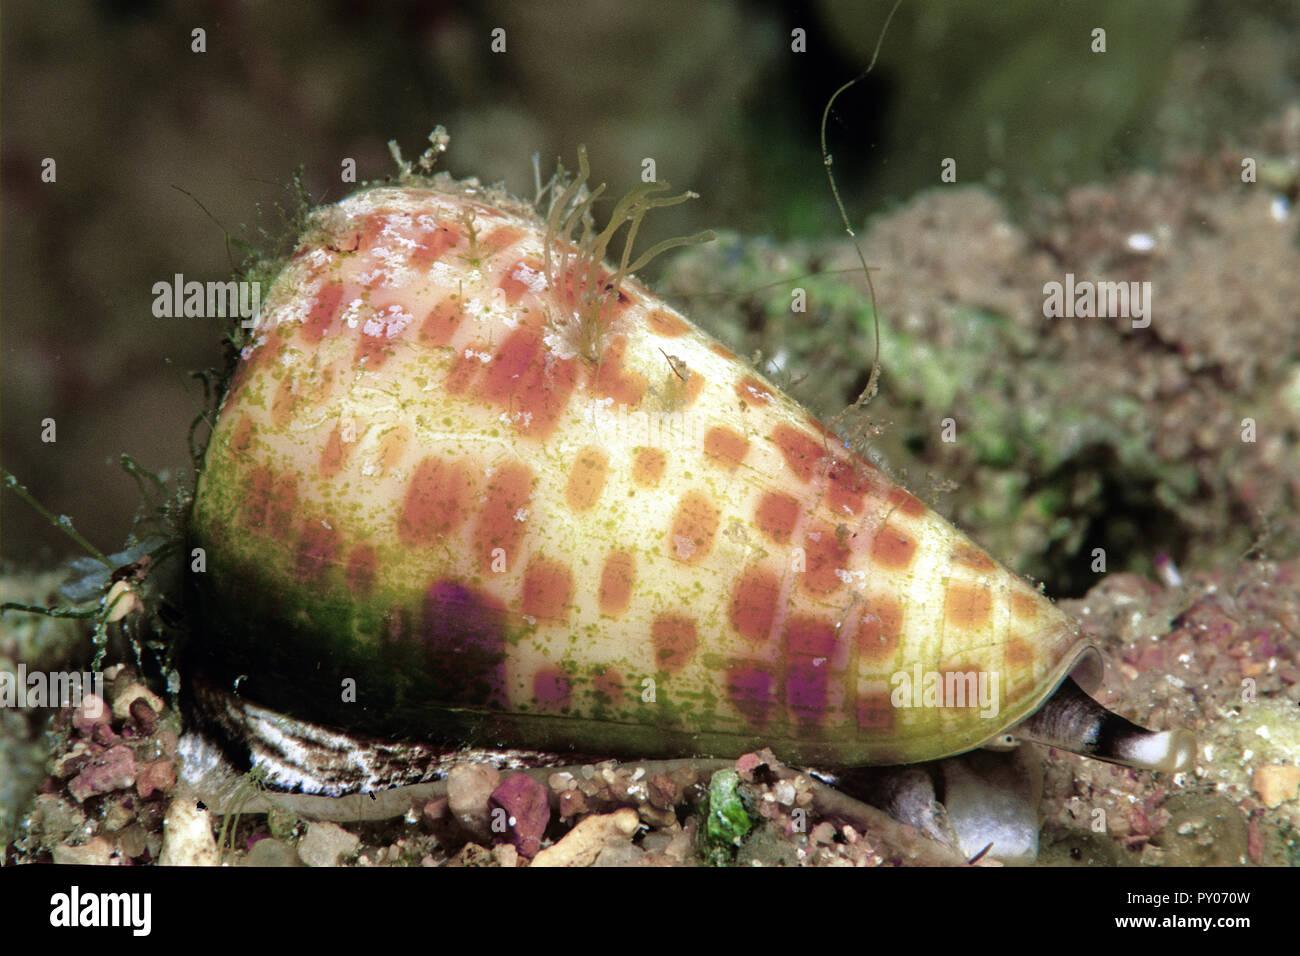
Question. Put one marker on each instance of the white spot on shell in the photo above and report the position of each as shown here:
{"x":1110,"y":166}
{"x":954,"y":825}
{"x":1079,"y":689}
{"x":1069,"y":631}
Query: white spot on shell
{"x":388,"y":323}
{"x":685,"y":547}
{"x":352,"y":314}
{"x":534,"y":280}
{"x":556,"y":344}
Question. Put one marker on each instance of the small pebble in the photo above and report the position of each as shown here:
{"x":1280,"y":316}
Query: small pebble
{"x":94,"y":852}
{"x":187,"y":833}
{"x":583,"y":843}
{"x":326,"y":844}
{"x":1276,"y":784}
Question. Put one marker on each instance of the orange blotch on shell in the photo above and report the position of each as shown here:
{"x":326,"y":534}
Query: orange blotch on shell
{"x":801,"y":451}
{"x":1026,"y":606}
{"x":586,"y":479}
{"x":905,"y":503}
{"x":614,"y":380}
{"x":525,"y":379}
{"x":498,"y":239}
{"x":666,"y":324}
{"x":514,"y":288}
{"x":776,"y":515}
{"x":317,"y":550}
{"x":499,"y":524}
{"x":753,"y":392}
{"x":366,"y":235}
{"x":323,"y":312}
{"x":674,"y":638}
{"x":809,"y":648}
{"x":360,"y":573}
{"x":241,"y":439}
{"x":465,"y":369}
{"x":694,"y":525}
{"x":973,"y":558}
{"x":648,"y":466}
{"x":893,"y":549}
{"x":433,"y":245}
{"x":334,"y":453}
{"x":609,"y":685}
{"x":286,"y":399}
{"x":441,"y":323}
{"x":879,"y":629}
{"x":269,"y":502}
{"x":690,"y":388}
{"x":372,"y":350}
{"x":968,"y":607}
{"x":825,"y":555}
{"x":257,"y":497}
{"x":392,"y":447}
{"x":726,"y":446}
{"x":809,"y":636}
{"x":1018,"y":654}
{"x":847,"y":484}
{"x":438,"y":499}
{"x":283,"y":508}
{"x":876,"y":712}
{"x":616,"y":580}
{"x":547,"y":590}
{"x":724,"y":352}
{"x":753,"y":604}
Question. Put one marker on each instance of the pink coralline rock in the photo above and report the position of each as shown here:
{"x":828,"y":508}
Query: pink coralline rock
{"x":527,"y":808}
{"x":113,"y":770}
{"x":157,"y":776}
{"x":92,"y":713}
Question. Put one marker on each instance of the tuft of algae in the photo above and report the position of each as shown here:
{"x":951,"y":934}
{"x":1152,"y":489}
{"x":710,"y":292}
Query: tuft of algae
{"x":726,"y":820}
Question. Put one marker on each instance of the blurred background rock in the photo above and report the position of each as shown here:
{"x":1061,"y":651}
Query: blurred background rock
{"x":712,"y":91}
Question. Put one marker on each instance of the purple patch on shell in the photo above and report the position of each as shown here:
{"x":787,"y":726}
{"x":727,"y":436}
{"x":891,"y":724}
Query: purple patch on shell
{"x":750,"y":689}
{"x":463,"y":633}
{"x":551,"y":689}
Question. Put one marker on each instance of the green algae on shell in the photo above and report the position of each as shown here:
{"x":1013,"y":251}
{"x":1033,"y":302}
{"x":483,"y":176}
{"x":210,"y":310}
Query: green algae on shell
{"x":439,"y":504}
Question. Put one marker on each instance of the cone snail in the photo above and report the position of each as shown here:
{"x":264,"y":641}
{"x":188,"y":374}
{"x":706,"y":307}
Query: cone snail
{"x":470,"y":484}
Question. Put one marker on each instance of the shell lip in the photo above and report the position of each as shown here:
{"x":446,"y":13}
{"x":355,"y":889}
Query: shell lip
{"x":1087,"y":668}
{"x":1081,"y":660}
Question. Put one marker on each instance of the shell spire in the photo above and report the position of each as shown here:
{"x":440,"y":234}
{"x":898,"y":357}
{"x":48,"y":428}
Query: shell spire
{"x":420,"y":471}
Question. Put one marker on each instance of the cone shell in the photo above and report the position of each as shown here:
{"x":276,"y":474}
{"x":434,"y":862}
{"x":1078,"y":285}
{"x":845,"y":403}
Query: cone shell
{"x":420,"y":481}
